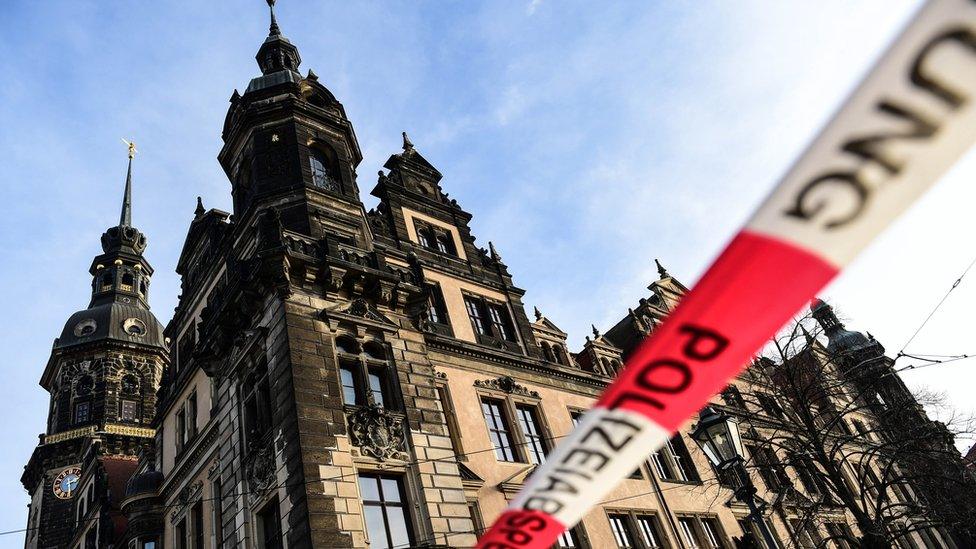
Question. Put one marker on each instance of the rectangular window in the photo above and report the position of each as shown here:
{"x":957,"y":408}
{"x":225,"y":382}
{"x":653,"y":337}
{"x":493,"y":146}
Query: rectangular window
{"x":770,"y":406}
{"x":713,"y":535}
{"x":534,"y":443}
{"x":128,"y":410}
{"x":82,"y":412}
{"x":198,"y":533}
{"x":191,"y":416}
{"x":682,"y":460}
{"x":450,"y":417}
{"x":180,"y":429}
{"x":387,"y":523}
{"x":476,"y":519}
{"x":751,"y":533}
{"x":436,"y":308}
{"x":498,"y":429}
{"x":218,"y":513}
{"x":180,"y":535}
{"x":838,"y":535}
{"x":347,"y":377}
{"x":500,"y":322}
{"x":673,"y":462}
{"x":476,"y":315}
{"x":375,"y":377}
{"x":650,"y":533}
{"x":269,"y":523}
{"x":687,"y":527}
{"x":569,"y":539}
{"x":622,"y":533}
{"x":770,"y":468}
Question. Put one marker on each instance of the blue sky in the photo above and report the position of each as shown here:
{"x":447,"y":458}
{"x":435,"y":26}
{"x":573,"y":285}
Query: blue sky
{"x":586,"y":139}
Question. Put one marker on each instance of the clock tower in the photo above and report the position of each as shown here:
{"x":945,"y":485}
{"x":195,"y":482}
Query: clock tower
{"x":102,"y":376}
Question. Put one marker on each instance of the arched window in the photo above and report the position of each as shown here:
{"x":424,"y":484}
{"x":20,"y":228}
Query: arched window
{"x":107,"y":281}
{"x":127,"y":281}
{"x":607,"y":368}
{"x":557,"y":351}
{"x":547,"y":352}
{"x":325,"y":167}
{"x":445,"y":244}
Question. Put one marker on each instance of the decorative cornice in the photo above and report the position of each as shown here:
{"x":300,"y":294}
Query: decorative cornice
{"x":506,"y":384}
{"x":74,"y":433}
{"x":129,"y":430}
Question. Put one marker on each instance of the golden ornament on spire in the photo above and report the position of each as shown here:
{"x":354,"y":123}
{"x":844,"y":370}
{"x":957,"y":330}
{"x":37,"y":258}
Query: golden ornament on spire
{"x":132,"y":148}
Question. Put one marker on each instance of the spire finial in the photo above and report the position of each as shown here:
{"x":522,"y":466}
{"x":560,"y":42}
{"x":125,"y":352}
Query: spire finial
{"x":538,"y":314}
{"x":596,"y":333}
{"x":661,"y":271}
{"x":198,"y":213}
{"x":806,"y":335}
{"x":125,"y":219}
{"x":494,"y":253}
{"x":407,"y":144}
{"x":274,"y":30}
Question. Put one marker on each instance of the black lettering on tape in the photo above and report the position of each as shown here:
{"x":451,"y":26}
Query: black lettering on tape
{"x":806,"y":211}
{"x":872,"y":148}
{"x":951,"y":97}
{"x":713,"y":342}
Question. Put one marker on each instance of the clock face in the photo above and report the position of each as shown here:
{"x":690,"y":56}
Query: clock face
{"x":65,"y":483}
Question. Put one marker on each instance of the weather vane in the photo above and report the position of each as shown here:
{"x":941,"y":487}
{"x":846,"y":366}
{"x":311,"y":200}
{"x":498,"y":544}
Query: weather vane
{"x":132,"y":146}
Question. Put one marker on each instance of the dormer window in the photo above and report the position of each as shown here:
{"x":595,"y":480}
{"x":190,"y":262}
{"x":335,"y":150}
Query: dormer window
{"x":435,"y":238}
{"x":445,"y":244}
{"x":325,"y":167}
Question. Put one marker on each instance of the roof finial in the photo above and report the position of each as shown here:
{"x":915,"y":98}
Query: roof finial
{"x":538,"y":314}
{"x":274,"y":30}
{"x":596,"y":333}
{"x":407,"y":144}
{"x":806,"y":335}
{"x":494,"y":253}
{"x":125,"y":220}
{"x":661,"y":271}
{"x":198,"y":213}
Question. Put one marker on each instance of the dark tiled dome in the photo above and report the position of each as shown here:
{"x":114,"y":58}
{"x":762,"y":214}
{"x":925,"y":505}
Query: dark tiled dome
{"x":144,"y":483}
{"x":113,"y":321}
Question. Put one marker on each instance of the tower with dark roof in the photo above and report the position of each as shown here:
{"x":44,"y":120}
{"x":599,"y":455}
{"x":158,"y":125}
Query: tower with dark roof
{"x":102,"y":378}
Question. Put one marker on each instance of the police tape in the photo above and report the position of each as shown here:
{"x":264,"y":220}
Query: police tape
{"x":910,"y":119}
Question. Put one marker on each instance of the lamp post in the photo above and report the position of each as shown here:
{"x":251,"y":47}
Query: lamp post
{"x":718,"y":436}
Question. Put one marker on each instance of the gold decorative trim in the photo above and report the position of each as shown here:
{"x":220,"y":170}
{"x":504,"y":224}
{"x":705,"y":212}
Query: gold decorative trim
{"x":131,"y":431}
{"x":68,"y":435}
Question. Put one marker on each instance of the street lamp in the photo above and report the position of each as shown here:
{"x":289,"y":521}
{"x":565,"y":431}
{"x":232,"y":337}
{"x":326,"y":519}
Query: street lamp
{"x":718,"y":436}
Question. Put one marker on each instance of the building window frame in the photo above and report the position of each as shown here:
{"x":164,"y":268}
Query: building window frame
{"x":366,"y":375}
{"x":386,"y":504}
{"x":492,"y":321}
{"x":454,"y":430}
{"x":673,"y":462}
{"x":509,"y":404}
{"x":636,"y":529}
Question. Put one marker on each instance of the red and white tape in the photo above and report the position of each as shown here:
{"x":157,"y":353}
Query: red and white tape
{"x":905,"y":125}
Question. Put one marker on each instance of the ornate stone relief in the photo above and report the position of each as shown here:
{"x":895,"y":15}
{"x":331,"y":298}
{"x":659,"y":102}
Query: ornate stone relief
{"x":377,"y":432}
{"x":505,"y":384}
{"x":186,"y":496}
{"x":261,"y":471}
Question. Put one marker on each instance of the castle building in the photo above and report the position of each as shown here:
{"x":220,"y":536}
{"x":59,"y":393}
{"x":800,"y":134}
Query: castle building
{"x":103,"y":374}
{"x":334,"y":377}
